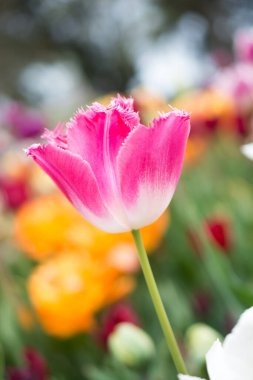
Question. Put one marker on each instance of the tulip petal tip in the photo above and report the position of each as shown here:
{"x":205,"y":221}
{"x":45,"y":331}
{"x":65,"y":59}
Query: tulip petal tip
{"x":30,"y":150}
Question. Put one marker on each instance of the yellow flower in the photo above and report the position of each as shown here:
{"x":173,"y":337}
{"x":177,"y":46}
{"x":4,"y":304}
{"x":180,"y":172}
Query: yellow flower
{"x":68,"y":290}
{"x":49,"y":225}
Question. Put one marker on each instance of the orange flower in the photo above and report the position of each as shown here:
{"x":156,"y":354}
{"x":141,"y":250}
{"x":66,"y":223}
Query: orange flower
{"x":67,"y":291}
{"x":196,"y":147}
{"x":209,"y":108}
{"x":50,"y":225}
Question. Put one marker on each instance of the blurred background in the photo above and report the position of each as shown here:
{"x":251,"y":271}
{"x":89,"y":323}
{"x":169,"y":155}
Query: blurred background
{"x":64,"y":285}
{"x":62,"y":50}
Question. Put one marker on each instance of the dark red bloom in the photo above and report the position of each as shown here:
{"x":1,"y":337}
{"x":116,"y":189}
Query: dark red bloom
{"x":117,"y":314}
{"x":242,"y":123}
{"x":219,"y":230}
{"x":202,"y":303}
{"x":14,"y":191}
{"x":35,"y":369}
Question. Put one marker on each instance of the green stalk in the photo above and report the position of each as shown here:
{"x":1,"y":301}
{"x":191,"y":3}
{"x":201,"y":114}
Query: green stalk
{"x":158,"y":305}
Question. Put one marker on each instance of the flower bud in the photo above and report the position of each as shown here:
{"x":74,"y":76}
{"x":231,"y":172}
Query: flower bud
{"x":120,"y":313}
{"x":199,"y":338}
{"x":131,"y":345}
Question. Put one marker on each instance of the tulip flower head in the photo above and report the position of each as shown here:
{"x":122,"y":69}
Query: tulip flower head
{"x":119,"y":174}
{"x":233,"y":359}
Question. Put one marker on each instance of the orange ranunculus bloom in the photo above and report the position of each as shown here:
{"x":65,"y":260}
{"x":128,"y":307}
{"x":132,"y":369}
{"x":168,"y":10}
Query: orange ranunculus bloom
{"x":49,"y":225}
{"x":209,"y":108}
{"x":67,"y":291}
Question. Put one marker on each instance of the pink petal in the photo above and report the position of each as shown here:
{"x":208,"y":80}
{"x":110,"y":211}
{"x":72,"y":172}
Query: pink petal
{"x":76,"y":180}
{"x":97,"y":135}
{"x":149,"y":166}
{"x":57,"y":137}
{"x":124,"y":105}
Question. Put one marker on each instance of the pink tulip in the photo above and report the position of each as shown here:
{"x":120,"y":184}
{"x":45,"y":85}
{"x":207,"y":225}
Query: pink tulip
{"x":118,"y":173}
{"x":243,"y":44}
{"x":236,"y":81}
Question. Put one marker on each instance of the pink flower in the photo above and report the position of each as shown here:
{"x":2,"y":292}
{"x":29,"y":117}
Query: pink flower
{"x":243,"y":44}
{"x":236,"y":81}
{"x":118,"y":173}
{"x":14,"y":191}
{"x":24,"y":123}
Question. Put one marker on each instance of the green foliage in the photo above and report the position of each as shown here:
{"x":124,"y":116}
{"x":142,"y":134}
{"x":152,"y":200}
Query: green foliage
{"x":220,"y":184}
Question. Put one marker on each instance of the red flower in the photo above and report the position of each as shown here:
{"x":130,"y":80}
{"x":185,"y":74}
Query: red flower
{"x":35,"y":369}
{"x":117,"y":314}
{"x":202,"y":303}
{"x":220,"y":233}
{"x":14,"y":191}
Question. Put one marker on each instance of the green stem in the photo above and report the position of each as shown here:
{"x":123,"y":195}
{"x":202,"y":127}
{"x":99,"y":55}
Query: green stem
{"x":157,"y":302}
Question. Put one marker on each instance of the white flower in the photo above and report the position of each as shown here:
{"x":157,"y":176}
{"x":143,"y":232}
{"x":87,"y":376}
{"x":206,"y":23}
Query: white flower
{"x":247,"y":150}
{"x":232,"y":360}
